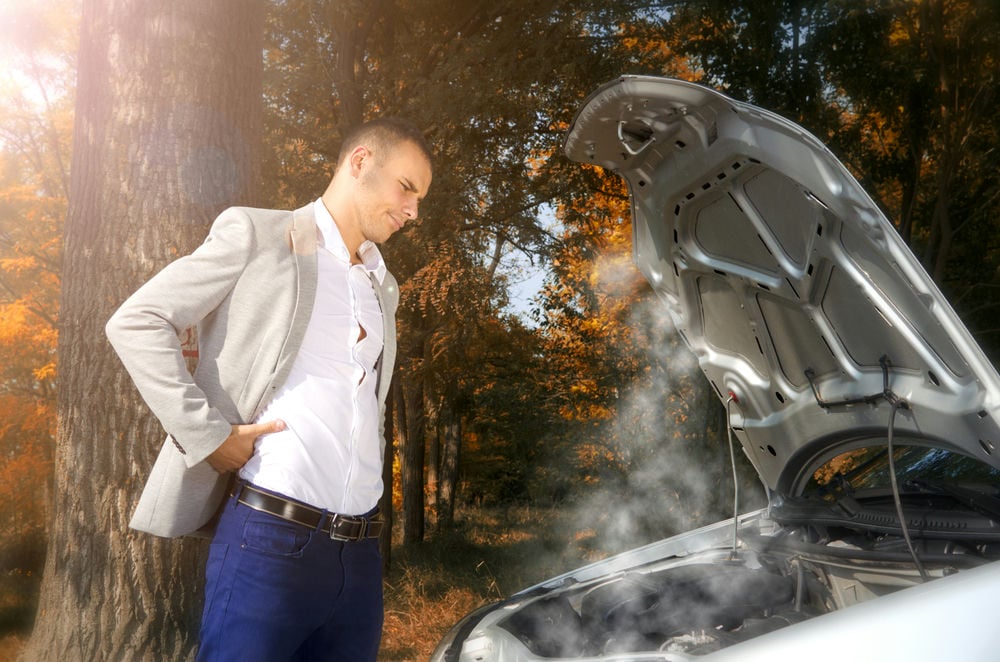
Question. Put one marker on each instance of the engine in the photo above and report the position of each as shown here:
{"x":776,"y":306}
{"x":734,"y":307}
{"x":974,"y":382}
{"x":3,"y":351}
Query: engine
{"x":698,"y":606}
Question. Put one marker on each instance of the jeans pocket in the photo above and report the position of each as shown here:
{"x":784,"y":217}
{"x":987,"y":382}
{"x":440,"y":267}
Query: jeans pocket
{"x":275,"y":537}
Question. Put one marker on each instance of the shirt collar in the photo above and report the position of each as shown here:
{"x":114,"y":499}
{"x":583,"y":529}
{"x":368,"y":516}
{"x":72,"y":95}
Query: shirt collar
{"x":332,"y":241}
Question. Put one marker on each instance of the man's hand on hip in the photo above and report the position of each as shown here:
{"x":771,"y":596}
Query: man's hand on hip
{"x":236,"y":450}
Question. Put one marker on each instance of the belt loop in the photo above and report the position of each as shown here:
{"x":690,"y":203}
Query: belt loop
{"x":237,"y":490}
{"x":322,"y":520}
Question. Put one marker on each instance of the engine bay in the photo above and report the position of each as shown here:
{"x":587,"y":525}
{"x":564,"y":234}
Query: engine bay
{"x":699,"y":605}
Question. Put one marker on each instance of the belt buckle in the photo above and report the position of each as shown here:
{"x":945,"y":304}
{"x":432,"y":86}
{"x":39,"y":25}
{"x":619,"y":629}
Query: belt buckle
{"x":340,"y":537}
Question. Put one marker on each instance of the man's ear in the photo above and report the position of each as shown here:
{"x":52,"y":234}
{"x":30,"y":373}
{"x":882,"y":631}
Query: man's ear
{"x":358,"y":156}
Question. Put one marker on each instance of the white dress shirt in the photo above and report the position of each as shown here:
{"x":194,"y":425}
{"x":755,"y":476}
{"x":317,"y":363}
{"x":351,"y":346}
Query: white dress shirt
{"x":329,"y":454}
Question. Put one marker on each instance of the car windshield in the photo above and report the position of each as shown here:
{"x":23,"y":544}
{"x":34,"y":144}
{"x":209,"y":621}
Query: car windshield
{"x":868,"y":469}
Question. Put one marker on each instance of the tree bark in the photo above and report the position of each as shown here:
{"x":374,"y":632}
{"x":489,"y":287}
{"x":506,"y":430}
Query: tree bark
{"x":450,"y":423}
{"x":412,"y":478}
{"x":167,"y":120}
{"x":433,"y":460}
{"x":385,"y":502}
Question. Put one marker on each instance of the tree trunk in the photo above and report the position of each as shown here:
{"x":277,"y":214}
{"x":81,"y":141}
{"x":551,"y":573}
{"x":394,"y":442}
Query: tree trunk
{"x":413,"y":458}
{"x":433,"y":462}
{"x":451,"y":426}
{"x":168,"y":115}
{"x":385,"y":502}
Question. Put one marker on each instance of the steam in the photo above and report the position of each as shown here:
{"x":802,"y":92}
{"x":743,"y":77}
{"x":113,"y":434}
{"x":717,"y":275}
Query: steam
{"x":669,"y":475}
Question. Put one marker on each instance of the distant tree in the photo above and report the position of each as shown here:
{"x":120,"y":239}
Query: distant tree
{"x":593,"y":351}
{"x":494,"y":85}
{"x":920,"y":125}
{"x":761,"y":52}
{"x":167,"y":115}
{"x":35,"y":128}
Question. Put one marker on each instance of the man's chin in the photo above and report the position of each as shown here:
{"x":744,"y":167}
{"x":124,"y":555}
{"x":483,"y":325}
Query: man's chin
{"x":386,"y":235}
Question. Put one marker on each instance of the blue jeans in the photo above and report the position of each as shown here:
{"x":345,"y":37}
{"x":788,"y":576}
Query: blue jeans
{"x":276,"y":590}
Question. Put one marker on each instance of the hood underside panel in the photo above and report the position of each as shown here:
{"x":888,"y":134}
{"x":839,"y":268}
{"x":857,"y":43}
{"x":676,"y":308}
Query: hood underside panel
{"x":794,"y":291}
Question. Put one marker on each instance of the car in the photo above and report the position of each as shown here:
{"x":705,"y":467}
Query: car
{"x":860,"y":398}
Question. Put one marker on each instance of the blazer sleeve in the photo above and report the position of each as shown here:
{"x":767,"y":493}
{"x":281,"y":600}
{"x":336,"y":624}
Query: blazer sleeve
{"x":145,"y":331}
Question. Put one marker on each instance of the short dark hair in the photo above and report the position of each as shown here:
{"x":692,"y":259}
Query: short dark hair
{"x":380,"y":135}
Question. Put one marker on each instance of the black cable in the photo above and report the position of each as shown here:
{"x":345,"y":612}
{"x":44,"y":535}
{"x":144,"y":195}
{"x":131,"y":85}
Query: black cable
{"x":900,"y":404}
{"x":896,"y":402}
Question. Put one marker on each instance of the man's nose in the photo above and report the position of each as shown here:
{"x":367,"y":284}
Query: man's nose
{"x":410,"y":208}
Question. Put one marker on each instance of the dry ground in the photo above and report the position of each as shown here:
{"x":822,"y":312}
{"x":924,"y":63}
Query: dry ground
{"x":490,"y":554}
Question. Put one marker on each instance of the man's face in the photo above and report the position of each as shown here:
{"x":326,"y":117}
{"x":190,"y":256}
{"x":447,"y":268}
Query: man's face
{"x":390,"y":188}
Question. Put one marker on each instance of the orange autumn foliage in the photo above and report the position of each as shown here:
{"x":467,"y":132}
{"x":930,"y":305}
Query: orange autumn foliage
{"x":35,"y":129}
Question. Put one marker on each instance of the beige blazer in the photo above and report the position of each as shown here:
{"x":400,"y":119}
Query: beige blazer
{"x":249,"y":289}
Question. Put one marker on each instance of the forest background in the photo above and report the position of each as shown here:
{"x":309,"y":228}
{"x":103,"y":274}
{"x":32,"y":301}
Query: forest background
{"x":533,"y":428}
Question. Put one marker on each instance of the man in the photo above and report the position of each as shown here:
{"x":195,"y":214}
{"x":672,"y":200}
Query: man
{"x":296,"y":333}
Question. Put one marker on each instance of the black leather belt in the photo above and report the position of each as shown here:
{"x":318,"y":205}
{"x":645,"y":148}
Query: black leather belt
{"x":338,"y":527}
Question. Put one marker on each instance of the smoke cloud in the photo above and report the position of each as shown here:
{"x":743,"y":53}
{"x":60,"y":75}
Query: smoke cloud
{"x":668,"y":439}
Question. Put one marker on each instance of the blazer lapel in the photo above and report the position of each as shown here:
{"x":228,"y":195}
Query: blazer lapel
{"x":302,"y":243}
{"x":387,"y":293}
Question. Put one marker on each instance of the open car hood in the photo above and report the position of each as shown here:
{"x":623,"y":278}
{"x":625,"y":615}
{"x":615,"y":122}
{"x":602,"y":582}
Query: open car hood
{"x":796,"y":294}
